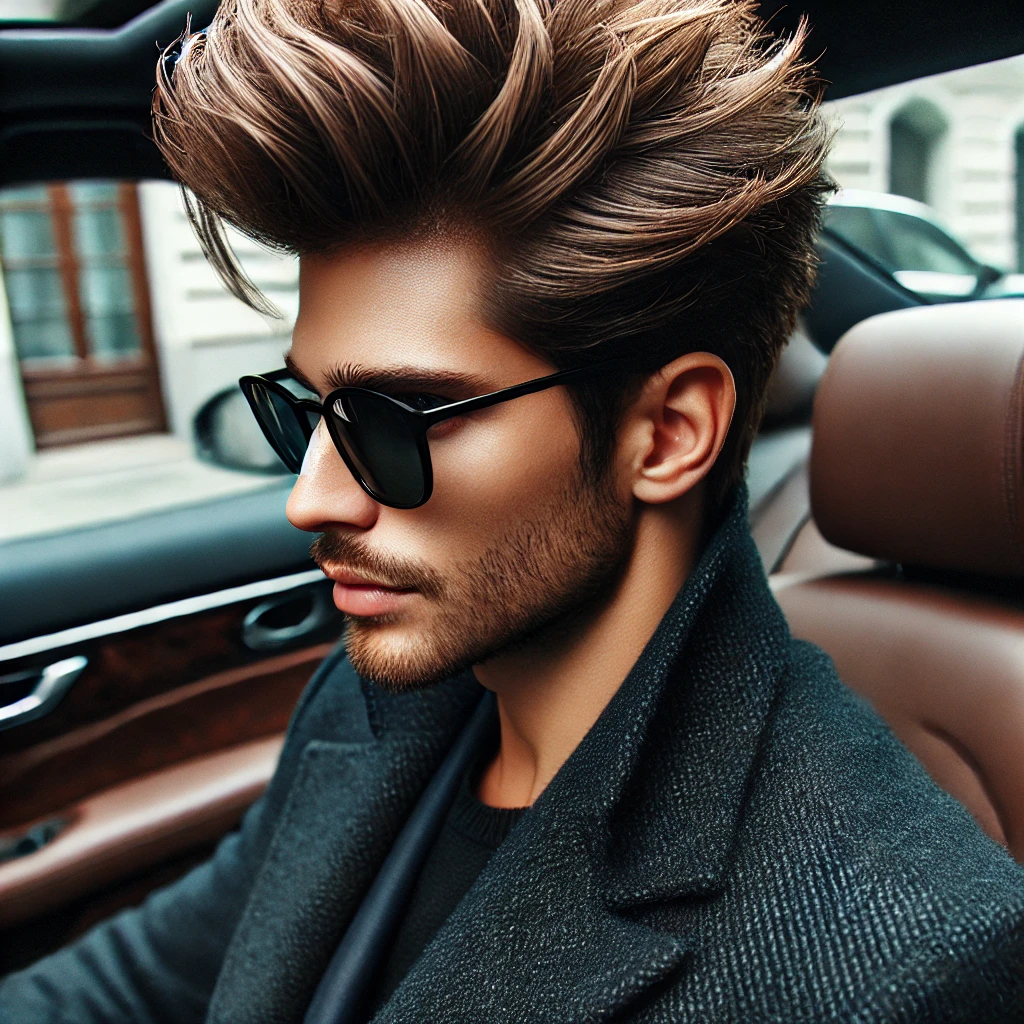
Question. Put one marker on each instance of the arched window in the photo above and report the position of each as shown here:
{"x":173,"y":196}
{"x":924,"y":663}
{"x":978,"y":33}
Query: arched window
{"x":1018,"y":149}
{"x":915,"y":134}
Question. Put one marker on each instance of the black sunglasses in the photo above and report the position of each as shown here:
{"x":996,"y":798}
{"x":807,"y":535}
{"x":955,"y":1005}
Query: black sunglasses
{"x":381,"y":439}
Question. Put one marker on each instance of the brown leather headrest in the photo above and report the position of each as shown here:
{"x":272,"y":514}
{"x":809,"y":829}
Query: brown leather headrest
{"x":918,"y":451}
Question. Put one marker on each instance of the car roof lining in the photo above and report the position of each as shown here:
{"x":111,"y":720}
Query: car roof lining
{"x":93,"y":86}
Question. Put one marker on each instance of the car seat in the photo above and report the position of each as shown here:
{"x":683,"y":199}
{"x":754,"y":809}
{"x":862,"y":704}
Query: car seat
{"x":784,"y":441}
{"x":777,"y":469}
{"x":914,"y":583}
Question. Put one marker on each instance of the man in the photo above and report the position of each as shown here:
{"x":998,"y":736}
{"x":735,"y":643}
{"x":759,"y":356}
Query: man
{"x":683,"y":815}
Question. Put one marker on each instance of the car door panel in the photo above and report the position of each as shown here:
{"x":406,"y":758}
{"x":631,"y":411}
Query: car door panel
{"x":138,"y":824}
{"x":54,"y":582}
{"x":161,"y":692}
{"x":169,"y":731}
{"x":199,"y":717}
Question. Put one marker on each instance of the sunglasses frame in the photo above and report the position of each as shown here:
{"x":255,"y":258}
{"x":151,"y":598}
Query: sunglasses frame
{"x":419,"y":420}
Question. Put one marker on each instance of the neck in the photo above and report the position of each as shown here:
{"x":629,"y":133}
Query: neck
{"x":551,"y":691}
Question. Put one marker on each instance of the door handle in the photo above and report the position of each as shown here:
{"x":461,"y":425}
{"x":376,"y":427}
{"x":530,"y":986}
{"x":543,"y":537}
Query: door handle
{"x":52,"y":683}
{"x":288,"y":619}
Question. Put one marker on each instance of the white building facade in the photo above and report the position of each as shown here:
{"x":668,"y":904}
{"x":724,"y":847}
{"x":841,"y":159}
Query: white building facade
{"x":955,"y":141}
{"x":206,"y":339}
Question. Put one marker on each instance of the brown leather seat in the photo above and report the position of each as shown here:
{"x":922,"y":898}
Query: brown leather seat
{"x":777,"y":477}
{"x":917,"y":481}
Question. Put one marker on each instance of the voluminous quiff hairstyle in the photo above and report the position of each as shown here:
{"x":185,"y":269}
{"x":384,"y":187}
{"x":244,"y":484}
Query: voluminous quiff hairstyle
{"x":647,"y":173}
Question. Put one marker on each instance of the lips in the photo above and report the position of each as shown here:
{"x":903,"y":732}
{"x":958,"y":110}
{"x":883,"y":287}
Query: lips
{"x":356,"y":595}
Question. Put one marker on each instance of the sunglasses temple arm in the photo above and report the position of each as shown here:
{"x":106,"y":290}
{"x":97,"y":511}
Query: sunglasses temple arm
{"x":516,"y":391}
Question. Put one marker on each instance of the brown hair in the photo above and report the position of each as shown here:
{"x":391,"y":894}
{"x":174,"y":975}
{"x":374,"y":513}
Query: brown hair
{"x":647,"y":172}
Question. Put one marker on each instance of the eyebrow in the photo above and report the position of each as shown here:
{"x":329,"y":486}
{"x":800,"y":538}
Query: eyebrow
{"x":394,"y":379}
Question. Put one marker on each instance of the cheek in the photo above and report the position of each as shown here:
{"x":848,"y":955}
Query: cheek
{"x":499,"y":469}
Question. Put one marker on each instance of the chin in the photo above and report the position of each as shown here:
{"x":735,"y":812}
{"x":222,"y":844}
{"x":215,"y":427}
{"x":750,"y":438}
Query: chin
{"x":396,"y":658}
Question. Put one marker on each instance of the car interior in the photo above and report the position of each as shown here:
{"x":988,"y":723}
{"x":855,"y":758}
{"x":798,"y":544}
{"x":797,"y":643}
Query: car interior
{"x":148,"y":667}
{"x":898,"y":547}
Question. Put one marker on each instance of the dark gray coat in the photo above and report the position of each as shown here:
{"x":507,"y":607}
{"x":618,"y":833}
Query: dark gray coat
{"x":738,"y":839}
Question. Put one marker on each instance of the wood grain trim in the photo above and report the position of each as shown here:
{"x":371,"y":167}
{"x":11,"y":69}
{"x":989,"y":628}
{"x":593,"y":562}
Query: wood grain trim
{"x":128,"y":205}
{"x":135,"y":663}
{"x":224,"y":709}
{"x":137,"y":825}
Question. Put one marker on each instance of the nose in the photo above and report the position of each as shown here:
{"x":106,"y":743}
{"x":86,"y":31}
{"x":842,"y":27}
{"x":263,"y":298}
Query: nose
{"x":326,"y":493}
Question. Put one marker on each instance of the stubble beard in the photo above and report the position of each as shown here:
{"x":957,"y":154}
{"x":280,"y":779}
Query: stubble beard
{"x":541,"y":576}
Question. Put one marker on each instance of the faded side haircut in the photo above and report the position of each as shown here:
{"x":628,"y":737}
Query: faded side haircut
{"x":646,"y":173}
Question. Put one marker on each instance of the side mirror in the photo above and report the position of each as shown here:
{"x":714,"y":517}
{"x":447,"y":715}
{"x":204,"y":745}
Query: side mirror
{"x":226,"y":435}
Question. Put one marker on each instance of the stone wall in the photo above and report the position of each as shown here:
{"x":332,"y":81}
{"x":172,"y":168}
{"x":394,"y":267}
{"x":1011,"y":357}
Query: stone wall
{"x":976,"y":114}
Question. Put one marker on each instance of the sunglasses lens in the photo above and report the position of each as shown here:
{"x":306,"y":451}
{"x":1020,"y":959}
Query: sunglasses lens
{"x":282,"y":423}
{"x":383,"y":445}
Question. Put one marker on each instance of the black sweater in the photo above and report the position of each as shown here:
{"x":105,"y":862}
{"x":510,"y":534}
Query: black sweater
{"x":471,"y":833}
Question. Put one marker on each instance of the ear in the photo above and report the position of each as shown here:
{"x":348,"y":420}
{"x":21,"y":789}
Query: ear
{"x":679,"y":423}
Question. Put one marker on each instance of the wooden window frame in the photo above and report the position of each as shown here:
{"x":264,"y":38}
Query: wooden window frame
{"x":62,"y":211}
{"x":48,"y":384}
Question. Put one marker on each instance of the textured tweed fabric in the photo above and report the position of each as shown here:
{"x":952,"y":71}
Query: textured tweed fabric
{"x":738,"y":839}
{"x":468,"y":839}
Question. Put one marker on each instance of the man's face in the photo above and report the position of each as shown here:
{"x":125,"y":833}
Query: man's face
{"x":514,"y":540}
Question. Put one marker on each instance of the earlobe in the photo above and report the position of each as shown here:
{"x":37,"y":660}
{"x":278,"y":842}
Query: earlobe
{"x":687,"y":408}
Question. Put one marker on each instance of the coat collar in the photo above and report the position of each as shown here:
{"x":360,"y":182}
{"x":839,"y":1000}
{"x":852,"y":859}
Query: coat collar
{"x":672,"y":753}
{"x":646,"y":810}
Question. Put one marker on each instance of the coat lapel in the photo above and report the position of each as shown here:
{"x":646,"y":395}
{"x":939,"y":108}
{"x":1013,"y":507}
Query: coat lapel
{"x":644,"y":813}
{"x":322,"y":858}
{"x":534,"y":939}
{"x":344,"y":807}
{"x":688,"y":765}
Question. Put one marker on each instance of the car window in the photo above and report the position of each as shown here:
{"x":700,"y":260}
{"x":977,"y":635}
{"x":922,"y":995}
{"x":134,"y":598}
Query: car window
{"x":917,"y":245}
{"x":857,"y":226}
{"x":114,"y":336}
{"x":932,"y":179}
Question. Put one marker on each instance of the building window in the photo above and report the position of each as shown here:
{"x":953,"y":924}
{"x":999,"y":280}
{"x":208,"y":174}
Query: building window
{"x":68,"y":270}
{"x":74,"y":273}
{"x":916,"y":133}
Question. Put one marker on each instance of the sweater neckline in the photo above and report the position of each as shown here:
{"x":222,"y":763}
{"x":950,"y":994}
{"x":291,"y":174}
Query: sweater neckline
{"x":478,"y":821}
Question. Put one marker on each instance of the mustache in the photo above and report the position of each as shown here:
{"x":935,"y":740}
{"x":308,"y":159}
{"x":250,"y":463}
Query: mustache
{"x":340,"y":549}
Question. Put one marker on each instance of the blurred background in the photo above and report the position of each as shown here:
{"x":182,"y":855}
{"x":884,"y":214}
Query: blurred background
{"x":114,"y":333}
